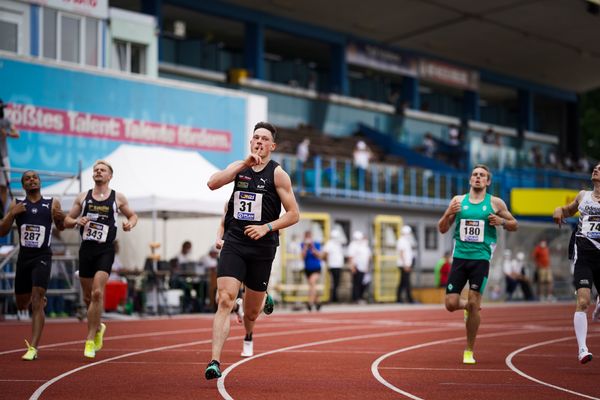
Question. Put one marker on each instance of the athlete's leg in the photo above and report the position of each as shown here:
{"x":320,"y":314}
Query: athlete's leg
{"x":580,"y":322}
{"x":227,"y":291}
{"x":312,"y":288}
{"x":253,"y":304}
{"x":96,"y":303}
{"x":473,"y":306}
{"x":455,"y":302}
{"x":38,"y":317}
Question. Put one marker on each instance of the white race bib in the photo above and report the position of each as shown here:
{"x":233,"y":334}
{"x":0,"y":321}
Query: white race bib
{"x":247,"y":206}
{"x":32,"y":236}
{"x":472,"y":230}
{"x":95,"y":231}
{"x":590,"y":226}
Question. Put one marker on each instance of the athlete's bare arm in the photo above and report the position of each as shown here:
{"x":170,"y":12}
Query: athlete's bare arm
{"x":221,"y":229}
{"x":123,"y":206}
{"x":58,"y":216}
{"x":502,"y":217}
{"x":13,"y":210}
{"x":283,"y":185}
{"x":560,"y":213}
{"x":72,"y":219}
{"x":222,"y":178}
{"x":449,"y":216}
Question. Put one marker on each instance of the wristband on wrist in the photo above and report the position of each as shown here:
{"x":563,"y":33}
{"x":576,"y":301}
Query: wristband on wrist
{"x":270,"y":227}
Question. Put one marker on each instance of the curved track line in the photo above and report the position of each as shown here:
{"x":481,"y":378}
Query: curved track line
{"x":45,"y":386}
{"x":221,"y":382}
{"x":510,"y":365}
{"x":375,"y":365}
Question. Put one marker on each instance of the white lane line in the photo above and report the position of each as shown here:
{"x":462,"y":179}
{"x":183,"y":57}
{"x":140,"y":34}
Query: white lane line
{"x":510,"y":365}
{"x":375,"y":365}
{"x":22,"y":380}
{"x":221,"y":382}
{"x":469,"y":370}
{"x":36,"y":395}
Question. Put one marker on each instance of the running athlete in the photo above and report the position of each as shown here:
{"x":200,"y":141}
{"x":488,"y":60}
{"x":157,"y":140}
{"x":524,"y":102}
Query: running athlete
{"x":251,"y":237}
{"x":95,"y":213}
{"x":34,"y":215}
{"x":586,"y":257}
{"x":477,"y":214}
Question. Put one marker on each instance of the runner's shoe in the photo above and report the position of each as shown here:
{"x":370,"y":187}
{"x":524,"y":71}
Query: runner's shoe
{"x":31,"y":353}
{"x":90,"y":347}
{"x":248,"y":348}
{"x":585,"y":356}
{"x":465,"y":315}
{"x":98,"y":338}
{"x":213,"y":370}
{"x":239,"y":311}
{"x":468,"y":357}
{"x":596,"y":313}
{"x":269,"y":305}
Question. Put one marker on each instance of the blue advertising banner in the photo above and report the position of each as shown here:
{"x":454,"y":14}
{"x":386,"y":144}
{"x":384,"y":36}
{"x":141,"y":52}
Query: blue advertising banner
{"x":67,"y":115}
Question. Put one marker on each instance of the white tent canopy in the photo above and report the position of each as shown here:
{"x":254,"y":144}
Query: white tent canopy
{"x":157,"y":182}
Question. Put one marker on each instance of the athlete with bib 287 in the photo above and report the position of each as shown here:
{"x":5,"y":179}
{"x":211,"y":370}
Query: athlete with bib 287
{"x":477,"y":214}
{"x":34,"y":216}
{"x":95,"y":213}
{"x":586,"y":257}
{"x":252,"y":225}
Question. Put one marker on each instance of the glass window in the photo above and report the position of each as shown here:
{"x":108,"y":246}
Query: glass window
{"x":49,"y":36}
{"x":138,"y":59}
{"x":70,"y":38}
{"x":431,"y":238}
{"x":120,"y":56}
{"x":91,"y":42}
{"x":129,"y":57}
{"x":9,"y":33}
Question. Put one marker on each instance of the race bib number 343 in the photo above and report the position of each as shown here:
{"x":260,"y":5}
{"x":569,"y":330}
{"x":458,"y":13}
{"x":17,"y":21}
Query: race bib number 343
{"x":590,"y":226}
{"x":247,"y":206}
{"x":95,"y":231}
{"x":472,"y":230}
{"x":32,"y":236}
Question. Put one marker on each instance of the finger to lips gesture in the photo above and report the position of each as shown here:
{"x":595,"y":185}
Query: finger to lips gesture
{"x":253,"y":159}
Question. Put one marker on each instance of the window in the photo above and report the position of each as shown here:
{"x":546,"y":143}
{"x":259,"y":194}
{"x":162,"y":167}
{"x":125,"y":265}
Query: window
{"x":431,"y":238}
{"x":69,"y":37}
{"x":129,"y":57}
{"x":10,"y":27}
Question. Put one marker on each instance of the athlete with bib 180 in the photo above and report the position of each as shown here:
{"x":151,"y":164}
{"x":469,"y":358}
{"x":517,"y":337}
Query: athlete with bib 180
{"x":477,"y":214}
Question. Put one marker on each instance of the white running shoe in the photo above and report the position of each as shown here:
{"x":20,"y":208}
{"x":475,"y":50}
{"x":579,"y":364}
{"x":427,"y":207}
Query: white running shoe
{"x":239,"y":310}
{"x":248,"y":349}
{"x":584,"y":356}
{"x":596,"y":313}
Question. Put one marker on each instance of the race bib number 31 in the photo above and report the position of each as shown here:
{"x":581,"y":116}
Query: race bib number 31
{"x":472,"y":230}
{"x":590,"y":226}
{"x":247,"y":206}
{"x":32,"y":236}
{"x":95,"y":231}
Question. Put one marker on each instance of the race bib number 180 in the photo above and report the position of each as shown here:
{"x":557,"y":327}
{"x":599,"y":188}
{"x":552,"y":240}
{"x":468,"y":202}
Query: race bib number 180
{"x":95,"y":231}
{"x":472,"y":230}
{"x":32,"y":236}
{"x":590,"y":226}
{"x":247,"y":206}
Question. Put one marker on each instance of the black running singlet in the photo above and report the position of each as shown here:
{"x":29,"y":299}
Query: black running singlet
{"x":35,"y":225}
{"x":254,"y":201}
{"x":102,"y":227}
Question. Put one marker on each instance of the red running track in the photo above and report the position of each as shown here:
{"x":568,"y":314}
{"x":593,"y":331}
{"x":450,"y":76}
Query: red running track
{"x":390,"y":352}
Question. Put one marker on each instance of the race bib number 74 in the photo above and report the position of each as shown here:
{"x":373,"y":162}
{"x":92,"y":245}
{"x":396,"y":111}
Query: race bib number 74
{"x":247,"y":206}
{"x":472,"y":230}
{"x":590,"y":226}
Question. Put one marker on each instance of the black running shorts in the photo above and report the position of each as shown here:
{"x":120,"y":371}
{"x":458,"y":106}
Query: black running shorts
{"x":248,"y":264}
{"x":587,"y":269}
{"x":94,"y":257}
{"x":32,"y":271}
{"x":474,"y":271}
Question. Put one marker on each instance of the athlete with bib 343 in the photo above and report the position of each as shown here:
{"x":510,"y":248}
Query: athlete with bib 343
{"x":477,"y":214}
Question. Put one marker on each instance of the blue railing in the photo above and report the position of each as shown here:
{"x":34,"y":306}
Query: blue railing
{"x":338,"y":178}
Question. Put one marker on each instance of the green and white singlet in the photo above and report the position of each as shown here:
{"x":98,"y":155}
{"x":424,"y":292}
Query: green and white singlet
{"x":474,"y":237}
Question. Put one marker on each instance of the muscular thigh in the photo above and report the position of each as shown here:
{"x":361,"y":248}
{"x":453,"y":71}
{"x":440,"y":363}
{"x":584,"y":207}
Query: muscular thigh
{"x":32,"y":271}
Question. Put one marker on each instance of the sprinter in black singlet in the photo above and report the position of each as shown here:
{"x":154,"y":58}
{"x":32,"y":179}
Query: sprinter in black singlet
{"x":34,"y":215}
{"x":95,"y":213}
{"x":251,"y":237}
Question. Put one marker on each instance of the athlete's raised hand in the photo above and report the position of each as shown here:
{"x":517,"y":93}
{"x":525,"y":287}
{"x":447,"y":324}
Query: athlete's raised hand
{"x":453,"y":207}
{"x":558,"y":216}
{"x":253,"y":159}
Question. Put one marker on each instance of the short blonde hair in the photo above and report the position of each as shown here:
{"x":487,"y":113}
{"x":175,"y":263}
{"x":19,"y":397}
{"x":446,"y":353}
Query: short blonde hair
{"x":104,"y":162}
{"x":484,"y":167}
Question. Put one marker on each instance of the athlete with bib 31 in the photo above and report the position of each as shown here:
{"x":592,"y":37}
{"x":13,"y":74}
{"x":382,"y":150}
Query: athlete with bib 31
{"x":252,"y":224}
{"x":586,"y":257}
{"x":477,"y":214}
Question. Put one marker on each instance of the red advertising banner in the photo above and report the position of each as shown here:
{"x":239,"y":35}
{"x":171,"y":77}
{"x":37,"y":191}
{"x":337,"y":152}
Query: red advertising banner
{"x":27,"y":117}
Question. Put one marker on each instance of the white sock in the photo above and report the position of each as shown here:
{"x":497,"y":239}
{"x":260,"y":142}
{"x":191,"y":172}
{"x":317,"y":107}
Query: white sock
{"x":580,"y":324}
